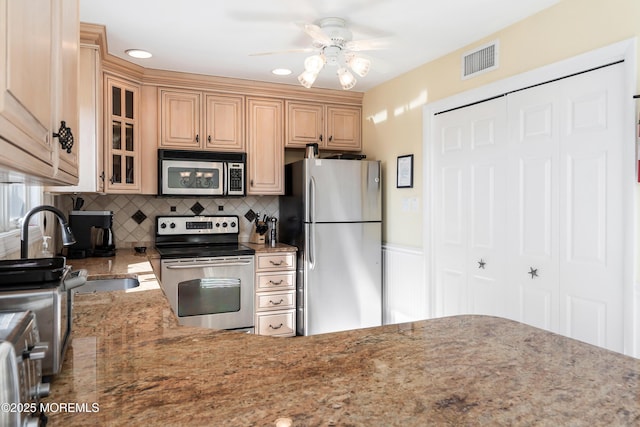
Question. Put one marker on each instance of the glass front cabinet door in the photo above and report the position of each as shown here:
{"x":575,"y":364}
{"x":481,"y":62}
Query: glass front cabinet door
{"x":122,"y":139}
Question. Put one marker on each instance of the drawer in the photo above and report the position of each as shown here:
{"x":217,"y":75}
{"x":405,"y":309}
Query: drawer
{"x":275,"y":281}
{"x":277,"y":261}
{"x":276,"y":324}
{"x":275,"y":301}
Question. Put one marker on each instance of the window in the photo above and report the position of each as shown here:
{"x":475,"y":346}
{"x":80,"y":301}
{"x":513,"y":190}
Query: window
{"x":15,"y":201}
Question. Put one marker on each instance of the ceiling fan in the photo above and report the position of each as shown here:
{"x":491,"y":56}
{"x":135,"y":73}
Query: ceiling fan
{"x":333,"y":45}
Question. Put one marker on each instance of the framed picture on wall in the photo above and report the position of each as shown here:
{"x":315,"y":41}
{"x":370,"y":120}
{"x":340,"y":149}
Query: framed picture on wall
{"x":404,"y":178}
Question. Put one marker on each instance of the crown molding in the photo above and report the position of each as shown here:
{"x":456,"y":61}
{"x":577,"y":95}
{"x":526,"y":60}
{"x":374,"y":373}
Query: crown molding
{"x":95,"y":34}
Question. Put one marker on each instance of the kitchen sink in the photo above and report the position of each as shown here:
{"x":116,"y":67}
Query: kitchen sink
{"x":107,"y":285}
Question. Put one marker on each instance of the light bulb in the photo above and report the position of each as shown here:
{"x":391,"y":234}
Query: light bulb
{"x":307,"y":78}
{"x":314,"y":64}
{"x":359,"y":65}
{"x":347,"y":81}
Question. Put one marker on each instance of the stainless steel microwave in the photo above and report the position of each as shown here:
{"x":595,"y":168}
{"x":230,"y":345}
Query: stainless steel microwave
{"x":201,"y":173}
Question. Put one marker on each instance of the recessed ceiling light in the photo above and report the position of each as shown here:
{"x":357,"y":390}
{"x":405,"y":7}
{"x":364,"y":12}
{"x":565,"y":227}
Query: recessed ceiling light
{"x":281,"y":71}
{"x":138,"y":53}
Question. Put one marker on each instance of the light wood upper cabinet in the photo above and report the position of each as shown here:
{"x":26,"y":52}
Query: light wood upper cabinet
{"x":91,"y":175}
{"x":65,"y":91}
{"x":224,"y":123}
{"x":332,"y":127}
{"x":182,"y":113}
{"x":39,"y":88}
{"x":180,"y":119}
{"x":26,"y":50}
{"x":305,"y":124}
{"x":265,"y":149}
{"x":123,"y":145}
{"x":343,"y":128}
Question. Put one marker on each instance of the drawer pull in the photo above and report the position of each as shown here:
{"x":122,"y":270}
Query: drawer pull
{"x":276,"y":263}
{"x":276,"y":327}
{"x":276,"y":283}
{"x":276,"y":303}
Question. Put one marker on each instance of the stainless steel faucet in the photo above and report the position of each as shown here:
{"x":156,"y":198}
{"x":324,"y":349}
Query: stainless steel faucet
{"x":67,"y":235}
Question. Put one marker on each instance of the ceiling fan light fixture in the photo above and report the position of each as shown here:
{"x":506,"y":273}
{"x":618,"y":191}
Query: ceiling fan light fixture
{"x":307,"y":78}
{"x":359,"y":65}
{"x":347,"y":81}
{"x":314,"y":63}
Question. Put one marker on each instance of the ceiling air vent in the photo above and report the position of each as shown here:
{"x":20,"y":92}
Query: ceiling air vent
{"x":480,"y":60}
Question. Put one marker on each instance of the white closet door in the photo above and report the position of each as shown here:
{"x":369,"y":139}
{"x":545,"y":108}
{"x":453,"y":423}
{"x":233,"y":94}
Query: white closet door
{"x":470,"y":190}
{"x":532,"y":219}
{"x":592,"y":222}
{"x":565,"y":207}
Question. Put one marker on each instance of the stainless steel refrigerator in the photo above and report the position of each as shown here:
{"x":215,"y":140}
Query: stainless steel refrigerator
{"x":332,"y":212}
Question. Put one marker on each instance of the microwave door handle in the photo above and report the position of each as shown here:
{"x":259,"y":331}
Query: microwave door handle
{"x":225,"y":178}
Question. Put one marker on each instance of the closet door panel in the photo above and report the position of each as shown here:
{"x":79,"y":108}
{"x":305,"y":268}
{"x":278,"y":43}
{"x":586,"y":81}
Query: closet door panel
{"x":592,"y":224}
{"x":532,"y":212}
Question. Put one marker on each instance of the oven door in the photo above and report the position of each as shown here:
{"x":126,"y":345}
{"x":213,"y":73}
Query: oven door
{"x":194,"y":178}
{"x":210,"y":292}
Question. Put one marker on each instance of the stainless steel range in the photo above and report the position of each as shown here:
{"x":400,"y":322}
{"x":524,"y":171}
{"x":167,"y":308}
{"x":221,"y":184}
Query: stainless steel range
{"x":207,"y":276}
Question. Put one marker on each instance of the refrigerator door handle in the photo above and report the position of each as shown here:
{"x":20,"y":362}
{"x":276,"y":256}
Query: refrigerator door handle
{"x":312,"y":246}
{"x":312,"y":200}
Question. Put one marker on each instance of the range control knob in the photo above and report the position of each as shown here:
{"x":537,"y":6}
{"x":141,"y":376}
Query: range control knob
{"x":233,"y":224}
{"x":224,"y":224}
{"x":163,"y":225}
{"x":40,"y":390}
{"x":218,"y":224}
{"x":173,"y":225}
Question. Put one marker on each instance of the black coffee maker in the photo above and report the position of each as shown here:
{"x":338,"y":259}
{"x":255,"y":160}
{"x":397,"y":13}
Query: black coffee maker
{"x":93,"y":231}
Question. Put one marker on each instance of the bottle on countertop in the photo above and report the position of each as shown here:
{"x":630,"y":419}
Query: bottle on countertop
{"x":272,"y":233}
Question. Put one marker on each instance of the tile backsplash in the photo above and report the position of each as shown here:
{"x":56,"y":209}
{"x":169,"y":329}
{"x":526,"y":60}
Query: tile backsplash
{"x":134,"y":215}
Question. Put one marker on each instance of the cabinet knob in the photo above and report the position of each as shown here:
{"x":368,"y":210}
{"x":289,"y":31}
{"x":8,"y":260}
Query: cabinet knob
{"x":276,"y":327}
{"x":209,"y":139}
{"x":276,"y":303}
{"x":481,"y":263}
{"x":65,"y":136}
{"x":533,"y":272}
{"x":197,"y":138}
{"x":320,"y":137}
{"x":330,"y":138}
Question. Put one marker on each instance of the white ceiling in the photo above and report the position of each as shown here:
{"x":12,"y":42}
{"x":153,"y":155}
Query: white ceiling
{"x":216,"y":37}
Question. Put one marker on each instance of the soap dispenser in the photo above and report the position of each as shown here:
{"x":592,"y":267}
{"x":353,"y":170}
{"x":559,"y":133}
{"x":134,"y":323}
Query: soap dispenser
{"x":45,"y":253}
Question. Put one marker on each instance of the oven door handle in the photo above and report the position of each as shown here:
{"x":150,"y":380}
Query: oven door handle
{"x":207,"y":264}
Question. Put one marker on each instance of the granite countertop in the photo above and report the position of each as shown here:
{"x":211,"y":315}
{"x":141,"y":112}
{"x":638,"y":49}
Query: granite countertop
{"x":130,"y":357}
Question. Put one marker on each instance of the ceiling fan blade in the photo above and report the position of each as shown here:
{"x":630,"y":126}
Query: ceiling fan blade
{"x":371,"y":44}
{"x":279,"y":52}
{"x":317,"y":34}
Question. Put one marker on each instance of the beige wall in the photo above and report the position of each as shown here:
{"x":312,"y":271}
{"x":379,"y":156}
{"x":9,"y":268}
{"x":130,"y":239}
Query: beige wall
{"x":392,"y":112}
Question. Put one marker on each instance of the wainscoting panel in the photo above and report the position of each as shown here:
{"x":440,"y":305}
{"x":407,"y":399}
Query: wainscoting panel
{"x":405,"y":290}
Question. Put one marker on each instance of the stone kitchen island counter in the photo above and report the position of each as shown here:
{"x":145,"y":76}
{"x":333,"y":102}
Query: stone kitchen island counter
{"x":131,"y":359}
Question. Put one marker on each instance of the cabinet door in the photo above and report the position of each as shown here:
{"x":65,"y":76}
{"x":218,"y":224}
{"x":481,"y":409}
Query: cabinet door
{"x":304,"y":124}
{"x":265,"y":146}
{"x":343,"y":128}
{"x":25,"y":85}
{"x":66,"y":88}
{"x":180,"y":119}
{"x":224,"y":123}
{"x":122,"y":136}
